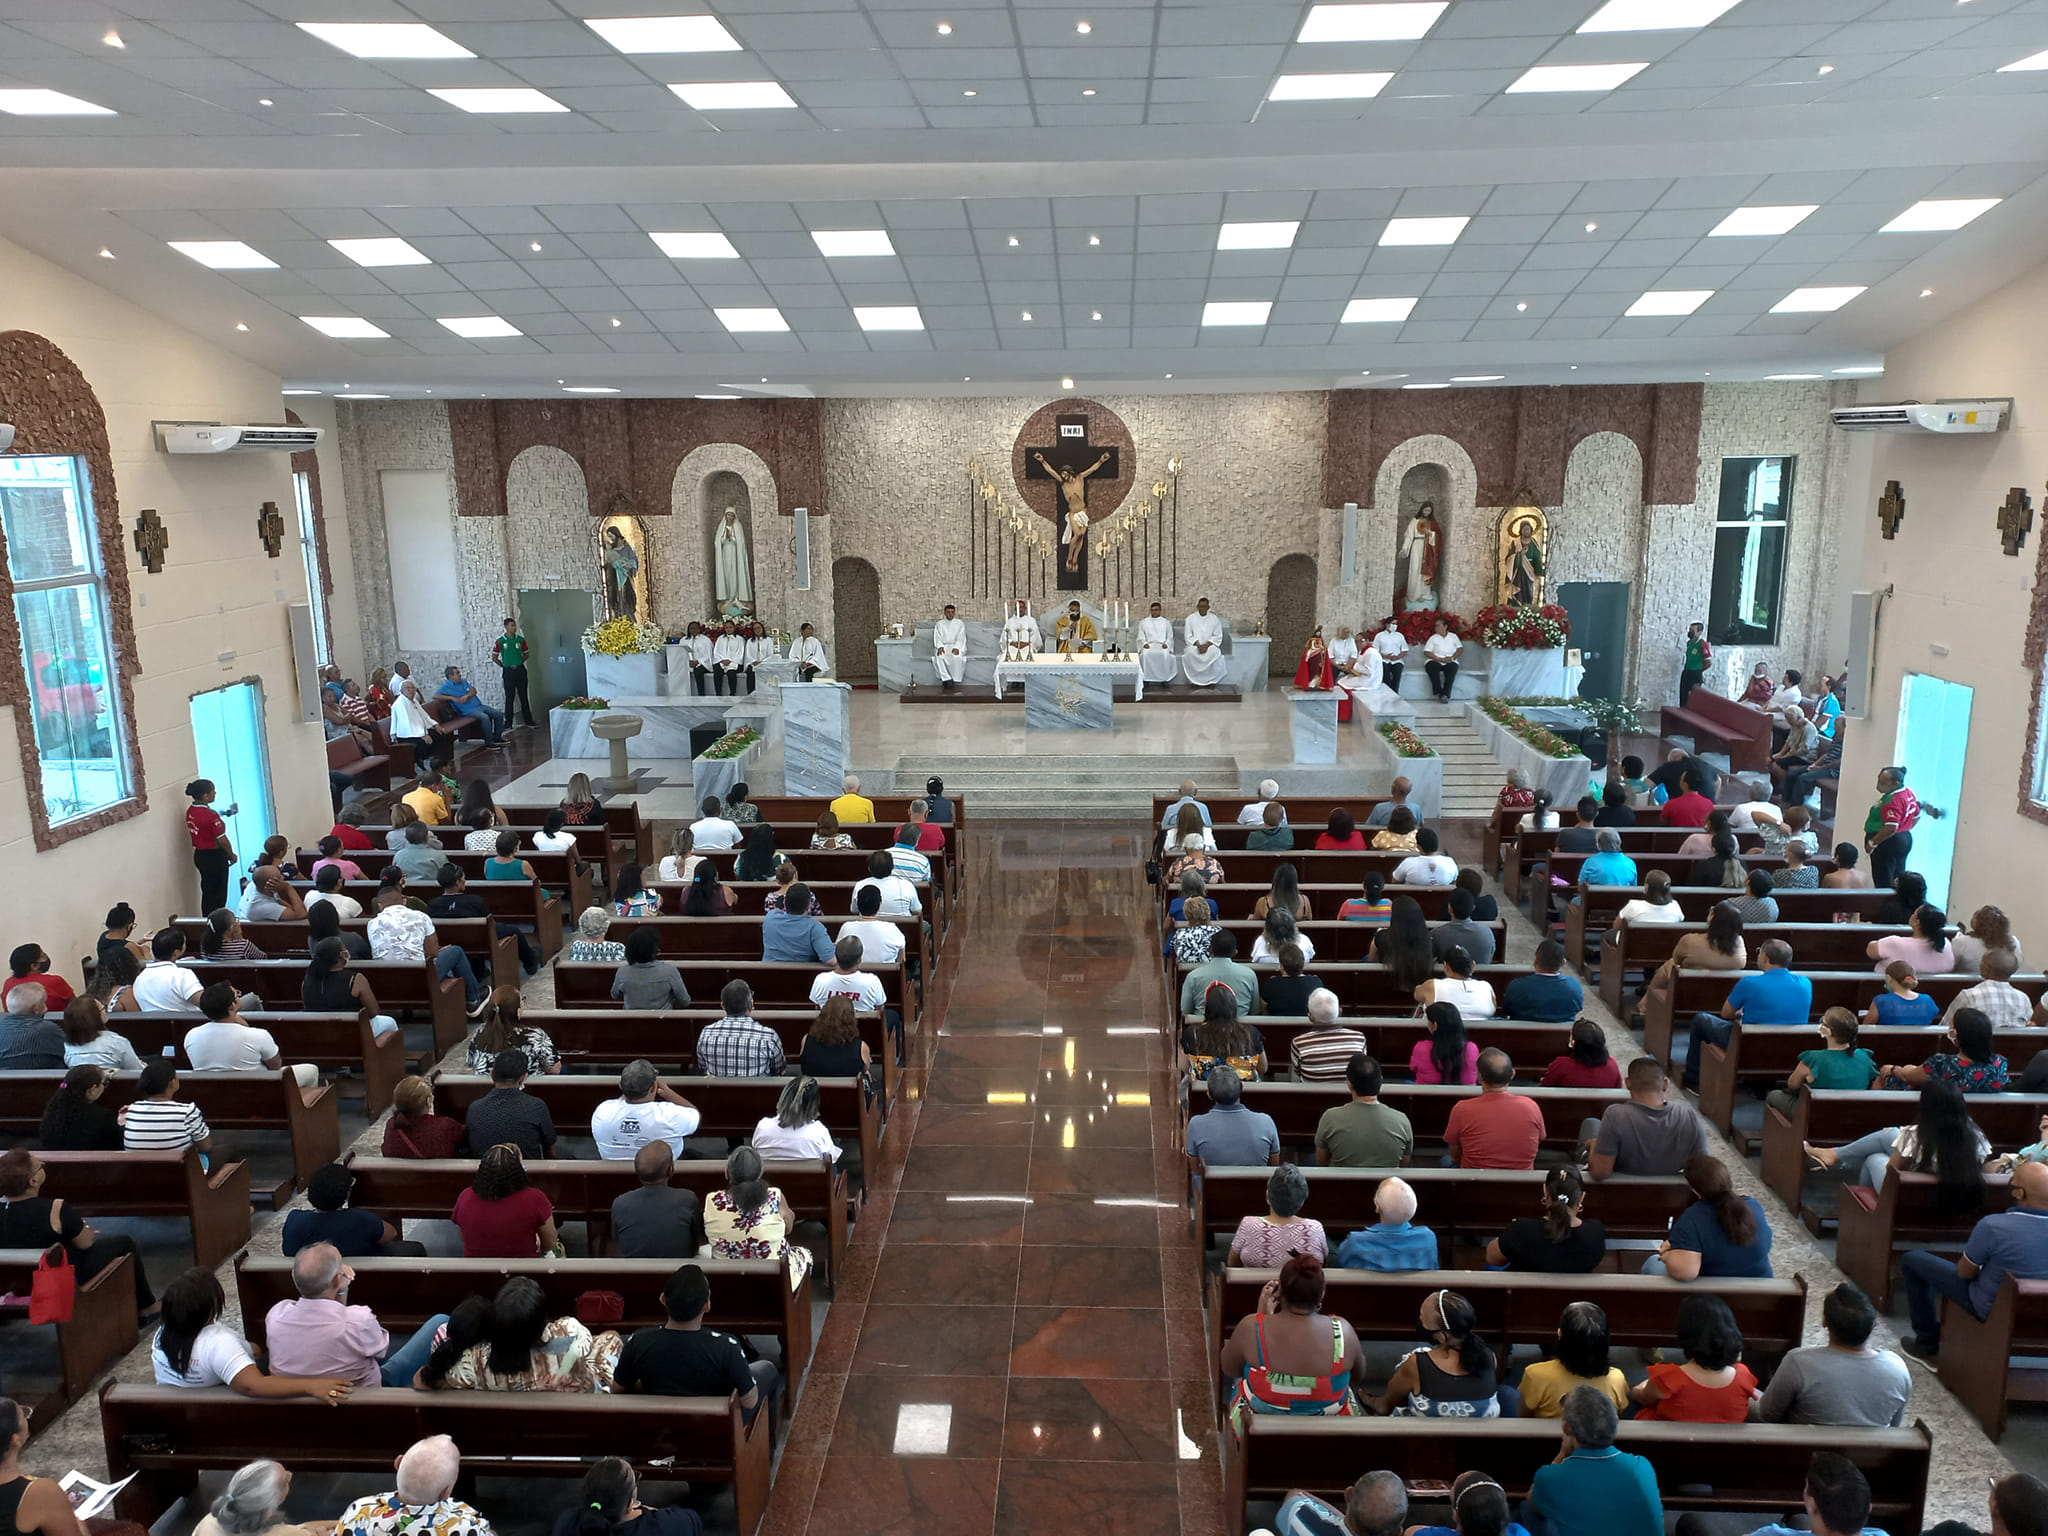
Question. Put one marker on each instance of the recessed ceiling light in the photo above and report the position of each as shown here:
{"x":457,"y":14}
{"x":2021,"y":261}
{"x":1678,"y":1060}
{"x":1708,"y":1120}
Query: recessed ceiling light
{"x":1095,"y":314}
{"x":1521,"y":308}
{"x":1084,"y":27}
{"x":1013,"y":239}
{"x":265,"y":101}
{"x":1370,"y":311}
{"x":480,"y":327}
{"x":1355,"y":86}
{"x":41,"y":103}
{"x":853,"y":242}
{"x":1655,"y":15}
{"x":1095,"y":239}
{"x":615,"y":321}
{"x":718,"y":397}
{"x":1477,"y":378}
{"x":1398,"y":23}
{"x":1926,"y":293}
{"x":665,"y":34}
{"x":1027,"y":315}
{"x":1236,"y":311}
{"x":970,"y":93}
{"x":1761,"y":219}
{"x":765,"y":318}
{"x":694,"y":245}
{"x":1670,"y":301}
{"x":1425,"y":386}
{"x":1591,"y":226}
{"x":1576,"y":77}
{"x":345,"y":327}
{"x":498,"y":99}
{"x":2031,"y":61}
{"x":387,"y":39}
{"x":1066,"y":383}
{"x":240,"y":326}
{"x":362,"y":397}
{"x":1940,"y":213}
{"x":1089,"y":91}
{"x":1864,"y":371}
{"x":1802,"y":301}
{"x":1789,"y":378}
{"x":1275,"y":235}
{"x":112,"y":39}
{"x":888,"y":317}
{"x":1423,"y":231}
{"x":383,"y":252}
{"x":221,"y":255}
{"x":945,"y":29}
{"x":734,"y":95}
{"x":588,"y":389}
{"x":533,"y":246}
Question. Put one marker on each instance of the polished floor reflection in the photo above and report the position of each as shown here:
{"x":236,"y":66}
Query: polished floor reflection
{"x":1017,"y":1343}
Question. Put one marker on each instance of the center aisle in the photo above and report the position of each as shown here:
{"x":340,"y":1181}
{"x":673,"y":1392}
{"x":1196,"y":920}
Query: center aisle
{"x":1017,"y":1345}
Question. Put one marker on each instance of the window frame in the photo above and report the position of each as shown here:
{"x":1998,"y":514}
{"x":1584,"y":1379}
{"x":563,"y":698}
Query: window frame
{"x":2033,"y":796}
{"x":313,"y":556}
{"x":1741,"y":634}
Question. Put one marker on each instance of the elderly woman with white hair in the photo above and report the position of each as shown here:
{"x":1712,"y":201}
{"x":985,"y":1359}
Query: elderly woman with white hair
{"x":1319,"y":1053}
{"x":1515,"y":794}
{"x":253,"y":1505}
{"x":1195,"y":857}
{"x":1266,"y":1242}
{"x":1393,"y":1242}
{"x":423,"y":1501}
{"x":590,"y":942}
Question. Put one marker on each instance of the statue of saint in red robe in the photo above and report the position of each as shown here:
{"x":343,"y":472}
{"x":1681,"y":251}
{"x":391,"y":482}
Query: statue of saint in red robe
{"x":1316,"y":669}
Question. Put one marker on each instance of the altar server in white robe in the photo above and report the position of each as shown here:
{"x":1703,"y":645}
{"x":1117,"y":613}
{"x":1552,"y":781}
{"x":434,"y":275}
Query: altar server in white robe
{"x":808,"y":652}
{"x":701,"y":679}
{"x":729,"y":659}
{"x":1021,"y":637}
{"x":1156,"y":661}
{"x":1203,"y":661}
{"x":760,"y":647}
{"x":1343,"y":651}
{"x":949,"y":649}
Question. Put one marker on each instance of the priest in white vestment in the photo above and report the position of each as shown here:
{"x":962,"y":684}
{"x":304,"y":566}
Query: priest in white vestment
{"x":1156,"y":661}
{"x":1021,"y":637}
{"x":949,"y":649}
{"x":1203,"y":660}
{"x":808,"y":652}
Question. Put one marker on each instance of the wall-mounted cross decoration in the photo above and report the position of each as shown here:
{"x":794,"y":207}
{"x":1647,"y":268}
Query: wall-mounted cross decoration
{"x":270,"y":529}
{"x":151,"y":540}
{"x":2016,"y":518}
{"x":1891,"y":509}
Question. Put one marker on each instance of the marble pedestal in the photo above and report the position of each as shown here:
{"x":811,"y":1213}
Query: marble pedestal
{"x":665,"y":724}
{"x":1527,"y":674}
{"x":640,"y":677}
{"x":1313,"y":716}
{"x":893,"y":662}
{"x":1246,"y":662}
{"x":615,"y":730}
{"x":1067,"y":700}
{"x":717,"y":775}
{"x":817,"y":732}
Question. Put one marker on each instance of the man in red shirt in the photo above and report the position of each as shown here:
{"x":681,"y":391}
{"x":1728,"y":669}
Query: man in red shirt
{"x":1497,"y":1129}
{"x":1689,"y":809}
{"x":930,"y":838}
{"x":1888,"y":830}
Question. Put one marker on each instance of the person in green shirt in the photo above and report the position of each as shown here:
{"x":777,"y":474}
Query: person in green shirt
{"x":1697,"y":655}
{"x":1839,"y":1066}
{"x":511,"y":648}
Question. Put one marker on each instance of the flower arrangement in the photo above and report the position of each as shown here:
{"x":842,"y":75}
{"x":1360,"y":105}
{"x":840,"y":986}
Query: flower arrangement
{"x":1418,"y":624}
{"x":732,"y":743}
{"x":1508,"y":627}
{"x":1405,"y":742}
{"x":1515,"y":723}
{"x":584,"y":701}
{"x":623,"y":637}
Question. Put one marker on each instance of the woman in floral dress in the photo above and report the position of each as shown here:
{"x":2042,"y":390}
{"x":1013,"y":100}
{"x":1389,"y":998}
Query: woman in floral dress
{"x":748,"y":1219}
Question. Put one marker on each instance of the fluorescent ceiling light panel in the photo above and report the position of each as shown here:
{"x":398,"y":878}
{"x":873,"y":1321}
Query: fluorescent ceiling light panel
{"x":1576,"y":77}
{"x":1276,"y":235}
{"x":1386,"y":23}
{"x":2031,"y":61}
{"x":734,"y":95}
{"x":1812,"y":301}
{"x":1349,"y":87}
{"x":1477,"y":378}
{"x":387,"y":39}
{"x":665,"y":34}
{"x":1789,"y":378}
{"x":853,"y":242}
{"x":1236,"y":312}
{"x":1763,"y":220}
{"x":1670,"y":301}
{"x":1865,"y":372}
{"x":718,"y":397}
{"x":41,"y":103}
{"x":480,"y":327}
{"x":769,"y":319}
{"x":315,"y":391}
{"x":1940,"y":213}
{"x":1367,"y":311}
{"x":221,"y":255}
{"x":1655,"y":15}
{"x":345,"y":327}
{"x":695,"y":245}
{"x":589,"y":389}
{"x":360,"y":396}
{"x":499,"y":98}
{"x":888,"y":317}
{"x":1425,"y":386}
{"x":1423,"y":231}
{"x":388,"y":252}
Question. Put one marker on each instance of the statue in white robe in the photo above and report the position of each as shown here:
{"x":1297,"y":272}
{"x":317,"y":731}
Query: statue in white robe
{"x":733,"y":581}
{"x":1203,"y":661}
{"x":1156,"y":661}
{"x":949,"y":649}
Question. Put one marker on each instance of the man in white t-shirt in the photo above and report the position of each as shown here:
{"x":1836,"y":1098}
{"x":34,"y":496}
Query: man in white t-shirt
{"x":647,"y":1109}
{"x":881,"y":943}
{"x":1426,"y":866}
{"x":847,"y":979}
{"x":552,"y":836}
{"x":1392,"y":646}
{"x":224,"y":1043}
{"x":899,"y":896}
{"x":713,"y":830}
{"x":1744,"y":817}
{"x":1442,"y":649}
{"x":164,"y":985}
{"x":1254,"y":815}
{"x":1786,"y":694}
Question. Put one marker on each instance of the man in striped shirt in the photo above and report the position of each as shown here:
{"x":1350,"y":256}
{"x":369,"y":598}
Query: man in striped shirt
{"x":1319,"y":1054}
{"x":158,"y":1121}
{"x":908,"y":862}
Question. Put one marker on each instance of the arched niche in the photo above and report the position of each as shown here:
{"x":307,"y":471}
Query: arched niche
{"x":724,"y":490}
{"x":1601,"y":531}
{"x":548,"y":522}
{"x":683,"y":550}
{"x":1429,"y":467}
{"x":1290,"y":611}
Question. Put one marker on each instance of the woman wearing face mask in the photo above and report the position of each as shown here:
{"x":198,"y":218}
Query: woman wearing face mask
{"x":1453,"y":1376}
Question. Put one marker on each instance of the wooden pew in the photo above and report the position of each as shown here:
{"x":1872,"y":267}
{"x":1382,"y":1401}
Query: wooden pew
{"x":425,"y":1189}
{"x":776,"y":983}
{"x":1566,"y":867}
{"x":102,"y":1328}
{"x":739,"y":937}
{"x":748,"y":1295}
{"x":593,"y":844}
{"x":398,"y":984}
{"x":1530,"y":865}
{"x":729,"y":1106}
{"x":1977,"y":1357}
{"x":159,"y":1184}
{"x":1297,"y":1107}
{"x":478,"y":937}
{"x":1749,"y":1468}
{"x":1337,"y":940}
{"x":168,"y":1435}
{"x":1822,"y":946}
{"x":1594,"y":913}
{"x":1309,"y":811}
{"x":1233,"y":902}
{"x":1907,"y":1211}
{"x":890,"y":810}
{"x":230,"y":1101}
{"x":1392,"y":1040}
{"x":1503,"y":830}
{"x":832,"y":864}
{"x":622,"y":822}
{"x":590,"y":1039}
{"x":1360,"y":987}
{"x":559,"y":890}
{"x":1713,"y":720}
{"x":333,"y":1042}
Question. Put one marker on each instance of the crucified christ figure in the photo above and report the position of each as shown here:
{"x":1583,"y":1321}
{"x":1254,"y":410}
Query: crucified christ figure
{"x":1075,"y":491}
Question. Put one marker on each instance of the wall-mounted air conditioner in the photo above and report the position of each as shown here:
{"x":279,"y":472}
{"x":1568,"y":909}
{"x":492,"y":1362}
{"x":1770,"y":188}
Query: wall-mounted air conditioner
{"x":213,"y":437}
{"x":1915,"y":416}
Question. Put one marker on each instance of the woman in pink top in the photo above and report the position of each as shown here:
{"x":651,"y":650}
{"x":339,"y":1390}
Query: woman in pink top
{"x":1444,"y":1055}
{"x":1268,"y":1241}
{"x":1926,"y":949}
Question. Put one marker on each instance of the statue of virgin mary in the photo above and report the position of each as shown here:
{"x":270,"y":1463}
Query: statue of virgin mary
{"x":733,"y":581}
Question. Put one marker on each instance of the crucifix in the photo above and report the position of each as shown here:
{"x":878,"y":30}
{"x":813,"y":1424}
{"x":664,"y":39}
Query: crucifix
{"x":270,"y":529}
{"x":151,"y":540}
{"x":2015,"y":519}
{"x":1070,"y":460}
{"x":1891,"y":509}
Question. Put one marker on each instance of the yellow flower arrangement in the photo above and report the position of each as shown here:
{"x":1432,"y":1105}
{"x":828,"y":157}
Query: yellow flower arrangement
{"x":622,"y":637}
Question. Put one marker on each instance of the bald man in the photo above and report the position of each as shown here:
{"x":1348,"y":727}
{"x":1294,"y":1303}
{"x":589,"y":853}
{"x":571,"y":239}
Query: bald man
{"x":657,"y":1220}
{"x":2011,"y":1242}
{"x":423,"y":1500}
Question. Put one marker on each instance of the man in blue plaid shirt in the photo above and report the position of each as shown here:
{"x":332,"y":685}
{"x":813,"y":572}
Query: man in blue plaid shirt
{"x":738,"y":1045}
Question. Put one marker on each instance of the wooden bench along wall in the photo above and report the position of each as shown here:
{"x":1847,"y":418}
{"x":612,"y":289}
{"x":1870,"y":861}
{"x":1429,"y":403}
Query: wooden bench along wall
{"x":1597,"y":904}
{"x":168,"y":1435}
{"x":1835,"y":1118}
{"x":1906,"y":1211}
{"x":399,"y":985}
{"x":159,"y":1184}
{"x":333,"y":1042}
{"x":1297,"y":1107}
{"x":1822,"y":946}
{"x":1977,"y":1358}
{"x":102,"y":1328}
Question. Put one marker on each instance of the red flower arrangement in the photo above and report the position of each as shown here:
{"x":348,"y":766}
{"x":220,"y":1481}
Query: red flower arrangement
{"x":1418,"y":624}
{"x":1507,"y":627}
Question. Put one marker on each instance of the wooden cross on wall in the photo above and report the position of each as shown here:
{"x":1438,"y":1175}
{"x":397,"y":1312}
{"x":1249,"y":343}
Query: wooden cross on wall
{"x":151,"y":540}
{"x":270,"y":529}
{"x":1891,"y":509}
{"x":2015,"y":519}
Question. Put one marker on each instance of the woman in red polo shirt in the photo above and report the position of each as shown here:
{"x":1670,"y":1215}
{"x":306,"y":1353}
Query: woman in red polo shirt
{"x":212,"y":854}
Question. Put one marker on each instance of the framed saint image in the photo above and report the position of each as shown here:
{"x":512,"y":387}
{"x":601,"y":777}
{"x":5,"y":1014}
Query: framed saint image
{"x":1524,"y":556}
{"x":624,"y":572}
